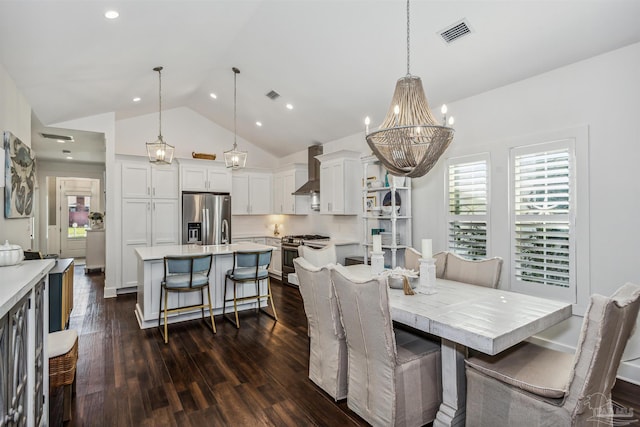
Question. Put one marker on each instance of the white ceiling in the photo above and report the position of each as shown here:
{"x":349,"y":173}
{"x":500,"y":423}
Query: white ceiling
{"x":335,"y":61}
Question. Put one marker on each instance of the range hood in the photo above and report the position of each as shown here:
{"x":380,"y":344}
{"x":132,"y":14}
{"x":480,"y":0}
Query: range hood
{"x":313,"y":184}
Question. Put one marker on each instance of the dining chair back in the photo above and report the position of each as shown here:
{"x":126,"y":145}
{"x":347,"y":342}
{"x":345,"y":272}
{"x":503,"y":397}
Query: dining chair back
{"x":319,"y":257}
{"x":441,"y":263}
{"x":484,"y":272}
{"x":394,"y":375}
{"x":185,"y":273}
{"x":412,"y":259}
{"x":328,"y":348}
{"x":249,"y":266}
{"x":529,"y":385}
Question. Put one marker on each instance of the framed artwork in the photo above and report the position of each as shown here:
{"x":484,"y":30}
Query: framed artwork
{"x":20,"y":178}
{"x":371,"y":202}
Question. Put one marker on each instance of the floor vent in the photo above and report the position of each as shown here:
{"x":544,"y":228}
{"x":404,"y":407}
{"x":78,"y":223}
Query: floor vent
{"x":455,"y":31}
{"x":273,"y":95}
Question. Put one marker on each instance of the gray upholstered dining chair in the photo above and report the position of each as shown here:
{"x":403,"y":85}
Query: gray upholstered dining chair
{"x":327,"y":345}
{"x":185,"y":273}
{"x":529,"y":385}
{"x":483,"y":272}
{"x":249,"y":266}
{"x":319,"y":257}
{"x":395,"y":376}
{"x":441,"y":263}
{"x":412,"y":259}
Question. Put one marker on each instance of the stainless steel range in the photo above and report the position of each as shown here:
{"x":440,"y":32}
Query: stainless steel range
{"x":290,"y":252}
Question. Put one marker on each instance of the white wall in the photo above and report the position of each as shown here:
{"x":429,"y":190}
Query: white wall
{"x":601,"y":93}
{"x":15,"y":117}
{"x":105,"y":123}
{"x":187,"y":131}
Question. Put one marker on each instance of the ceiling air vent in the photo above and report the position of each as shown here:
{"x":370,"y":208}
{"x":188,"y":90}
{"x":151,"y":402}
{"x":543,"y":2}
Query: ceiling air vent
{"x":273,"y":95}
{"x":455,"y":31}
{"x":64,"y":138}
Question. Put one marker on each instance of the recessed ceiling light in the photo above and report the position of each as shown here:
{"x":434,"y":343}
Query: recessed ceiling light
{"x":69,"y":158}
{"x":289,"y":106}
{"x":259,"y":124}
{"x":213,"y":95}
{"x":137,"y":99}
{"x":61,"y":141}
{"x":111,"y":14}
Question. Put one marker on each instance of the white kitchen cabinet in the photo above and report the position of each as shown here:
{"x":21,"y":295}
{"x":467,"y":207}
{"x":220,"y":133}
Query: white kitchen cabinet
{"x":136,"y":180}
{"x":164,"y":182}
{"x":251,"y":193}
{"x":285,"y":182}
{"x":275,"y":268}
{"x":340,"y":178}
{"x":142,"y":180}
{"x":196,"y":175}
{"x":146,"y":223}
{"x":151,"y":216}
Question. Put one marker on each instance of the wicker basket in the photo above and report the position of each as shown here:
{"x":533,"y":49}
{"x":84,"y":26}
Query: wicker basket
{"x":62,"y":369}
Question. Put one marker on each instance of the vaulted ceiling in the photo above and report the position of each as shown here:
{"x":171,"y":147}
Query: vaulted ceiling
{"x":334,"y":61}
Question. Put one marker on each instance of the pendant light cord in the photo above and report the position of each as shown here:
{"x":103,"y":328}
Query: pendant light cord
{"x":235,"y":90}
{"x":159,"y":70}
{"x":408,"y":39}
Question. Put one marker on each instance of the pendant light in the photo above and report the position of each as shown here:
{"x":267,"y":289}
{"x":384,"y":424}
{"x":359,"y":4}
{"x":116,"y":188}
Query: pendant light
{"x":235,"y":158}
{"x":160,"y":152}
{"x":410,"y":140}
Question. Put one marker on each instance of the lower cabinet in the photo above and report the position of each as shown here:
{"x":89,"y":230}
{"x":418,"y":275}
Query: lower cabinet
{"x":60,"y":294}
{"x":95,"y":250}
{"x":16,"y":363}
{"x":40,"y":358}
{"x":22,"y":363}
{"x":275,"y":268}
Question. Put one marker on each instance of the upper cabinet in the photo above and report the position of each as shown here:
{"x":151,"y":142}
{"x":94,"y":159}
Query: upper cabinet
{"x":142,"y":180}
{"x":285,"y":182}
{"x":251,"y":193}
{"x":340,"y":175}
{"x":204,"y":175}
{"x":136,"y":180}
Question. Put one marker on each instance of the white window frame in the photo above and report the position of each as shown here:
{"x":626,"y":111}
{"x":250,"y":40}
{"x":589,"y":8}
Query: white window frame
{"x":570,"y":293}
{"x":475,"y":158}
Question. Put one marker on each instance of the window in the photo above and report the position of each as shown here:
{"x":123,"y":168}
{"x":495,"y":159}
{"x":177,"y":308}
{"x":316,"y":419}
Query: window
{"x":78,"y":209}
{"x":543,"y":212}
{"x":467,"y":207}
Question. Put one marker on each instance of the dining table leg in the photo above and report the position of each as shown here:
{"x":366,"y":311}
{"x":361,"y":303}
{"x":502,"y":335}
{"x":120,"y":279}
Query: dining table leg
{"x":452,"y":411}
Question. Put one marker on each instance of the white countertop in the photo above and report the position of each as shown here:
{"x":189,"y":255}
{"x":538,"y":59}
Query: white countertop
{"x":337,"y":242}
{"x":159,"y":252}
{"x":17,"y":281}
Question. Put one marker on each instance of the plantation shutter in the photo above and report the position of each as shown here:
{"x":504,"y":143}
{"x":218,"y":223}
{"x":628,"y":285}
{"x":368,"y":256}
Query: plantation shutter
{"x":467,"y":206}
{"x":543,"y":247}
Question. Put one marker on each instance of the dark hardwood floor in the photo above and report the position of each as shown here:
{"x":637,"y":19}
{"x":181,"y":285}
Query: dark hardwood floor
{"x":254,"y":376}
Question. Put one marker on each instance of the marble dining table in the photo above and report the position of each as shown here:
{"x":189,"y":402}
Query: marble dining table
{"x":466,"y":317}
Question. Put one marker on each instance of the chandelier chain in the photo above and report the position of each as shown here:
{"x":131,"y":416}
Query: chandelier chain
{"x":408,"y":39}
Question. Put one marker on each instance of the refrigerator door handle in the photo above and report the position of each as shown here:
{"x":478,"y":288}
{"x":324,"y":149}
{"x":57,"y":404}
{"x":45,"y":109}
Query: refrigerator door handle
{"x":225,"y":232}
{"x":205,"y":226}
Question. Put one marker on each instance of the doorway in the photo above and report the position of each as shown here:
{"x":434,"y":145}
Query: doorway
{"x":76,"y":199}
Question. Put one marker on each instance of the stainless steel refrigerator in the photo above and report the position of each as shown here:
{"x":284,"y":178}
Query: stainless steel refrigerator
{"x":206,"y":218}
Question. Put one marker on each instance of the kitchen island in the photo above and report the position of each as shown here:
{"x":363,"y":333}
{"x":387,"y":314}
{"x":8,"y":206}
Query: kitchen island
{"x":151,"y":272}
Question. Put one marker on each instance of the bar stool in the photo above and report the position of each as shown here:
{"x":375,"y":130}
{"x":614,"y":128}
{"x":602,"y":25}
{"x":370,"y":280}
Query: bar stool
{"x":185,"y":273}
{"x":249,"y":267}
{"x":63,"y":354}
